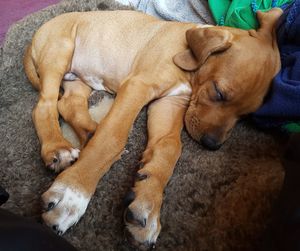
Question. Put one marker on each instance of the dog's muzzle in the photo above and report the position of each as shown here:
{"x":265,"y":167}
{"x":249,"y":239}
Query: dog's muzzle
{"x":210,"y":142}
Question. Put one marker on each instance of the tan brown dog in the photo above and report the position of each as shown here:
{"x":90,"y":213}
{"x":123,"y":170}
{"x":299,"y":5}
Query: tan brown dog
{"x":208,"y":75}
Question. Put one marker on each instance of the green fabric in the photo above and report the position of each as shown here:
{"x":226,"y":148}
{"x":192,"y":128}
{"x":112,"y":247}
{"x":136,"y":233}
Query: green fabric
{"x":292,"y":127}
{"x":241,"y":13}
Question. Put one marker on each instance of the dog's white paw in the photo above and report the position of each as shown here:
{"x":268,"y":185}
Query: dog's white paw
{"x":64,"y":206}
{"x":63,"y":158}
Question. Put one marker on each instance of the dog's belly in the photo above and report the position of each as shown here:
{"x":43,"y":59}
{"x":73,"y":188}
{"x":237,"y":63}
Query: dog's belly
{"x":105,"y":46}
{"x":98,"y":67}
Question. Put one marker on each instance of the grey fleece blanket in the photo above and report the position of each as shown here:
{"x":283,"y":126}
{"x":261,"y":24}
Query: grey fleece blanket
{"x":195,"y":11}
{"x":214,"y":201}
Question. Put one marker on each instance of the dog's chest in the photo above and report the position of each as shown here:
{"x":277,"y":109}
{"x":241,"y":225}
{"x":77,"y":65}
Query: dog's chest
{"x":181,"y":89}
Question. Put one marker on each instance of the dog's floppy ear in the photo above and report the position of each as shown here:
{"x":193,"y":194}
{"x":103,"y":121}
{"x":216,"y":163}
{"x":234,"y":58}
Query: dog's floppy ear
{"x":267,"y":21}
{"x":186,"y":60}
{"x":202,"y":42}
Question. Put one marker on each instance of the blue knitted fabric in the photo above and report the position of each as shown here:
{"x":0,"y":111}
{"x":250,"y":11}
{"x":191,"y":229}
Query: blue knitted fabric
{"x":282,"y":105}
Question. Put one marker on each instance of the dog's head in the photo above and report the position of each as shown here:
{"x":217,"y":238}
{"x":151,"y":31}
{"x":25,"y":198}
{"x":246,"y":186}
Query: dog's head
{"x":231,"y":72}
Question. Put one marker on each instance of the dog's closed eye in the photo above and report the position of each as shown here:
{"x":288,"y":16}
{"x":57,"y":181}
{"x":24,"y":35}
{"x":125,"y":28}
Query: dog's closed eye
{"x":219,"y":95}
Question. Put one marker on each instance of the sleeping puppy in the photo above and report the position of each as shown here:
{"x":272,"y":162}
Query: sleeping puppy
{"x":205,"y":76}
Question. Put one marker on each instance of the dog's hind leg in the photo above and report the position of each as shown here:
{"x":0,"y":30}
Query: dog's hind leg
{"x":73,"y":107}
{"x":54,"y":62}
{"x":142,"y":217}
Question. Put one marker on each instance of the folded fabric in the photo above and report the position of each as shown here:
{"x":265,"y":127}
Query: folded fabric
{"x":241,"y":13}
{"x":282,"y":105}
{"x":195,"y":11}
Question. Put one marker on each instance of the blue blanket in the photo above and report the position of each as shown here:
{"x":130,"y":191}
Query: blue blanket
{"x":282,"y":105}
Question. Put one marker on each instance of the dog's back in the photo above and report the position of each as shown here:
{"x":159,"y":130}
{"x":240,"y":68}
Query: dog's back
{"x":106,"y":44}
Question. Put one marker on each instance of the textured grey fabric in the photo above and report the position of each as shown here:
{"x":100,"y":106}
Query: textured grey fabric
{"x":174,"y":10}
{"x":214,"y":201}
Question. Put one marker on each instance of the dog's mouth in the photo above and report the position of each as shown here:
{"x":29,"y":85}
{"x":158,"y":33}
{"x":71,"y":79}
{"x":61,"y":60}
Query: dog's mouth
{"x":211,"y":135}
{"x":207,"y":140}
{"x":210,"y":142}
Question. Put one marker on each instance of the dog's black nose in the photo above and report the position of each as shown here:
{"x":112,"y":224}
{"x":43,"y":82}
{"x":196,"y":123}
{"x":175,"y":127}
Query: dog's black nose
{"x":210,"y":142}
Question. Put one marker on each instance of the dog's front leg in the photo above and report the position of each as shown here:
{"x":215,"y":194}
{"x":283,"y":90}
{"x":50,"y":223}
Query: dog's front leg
{"x":142,"y":217}
{"x":68,"y":197}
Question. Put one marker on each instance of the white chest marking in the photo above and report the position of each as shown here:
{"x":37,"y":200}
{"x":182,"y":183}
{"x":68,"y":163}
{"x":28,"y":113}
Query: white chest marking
{"x":204,"y":25}
{"x":181,"y":89}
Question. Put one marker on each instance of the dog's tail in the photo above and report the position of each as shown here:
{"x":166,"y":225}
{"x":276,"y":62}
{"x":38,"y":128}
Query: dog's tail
{"x":30,"y":69}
